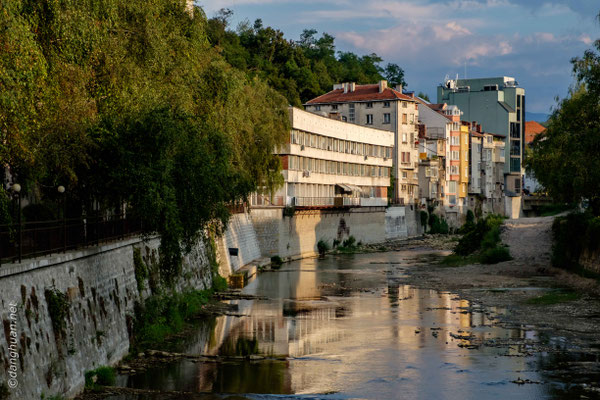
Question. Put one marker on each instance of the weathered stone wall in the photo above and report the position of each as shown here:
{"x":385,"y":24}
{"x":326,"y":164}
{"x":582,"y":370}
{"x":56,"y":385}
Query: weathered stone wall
{"x":102,"y":289}
{"x":296,"y":236}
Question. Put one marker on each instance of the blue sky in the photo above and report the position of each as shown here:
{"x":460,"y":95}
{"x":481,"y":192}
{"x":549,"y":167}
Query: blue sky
{"x":532,"y":40}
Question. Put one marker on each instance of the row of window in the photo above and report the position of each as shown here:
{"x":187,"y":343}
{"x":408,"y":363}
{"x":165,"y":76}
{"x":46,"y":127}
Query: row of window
{"x":316,"y":190}
{"x":386,"y":119}
{"x":369,"y":104}
{"x":339,"y":145}
{"x":296,"y":163}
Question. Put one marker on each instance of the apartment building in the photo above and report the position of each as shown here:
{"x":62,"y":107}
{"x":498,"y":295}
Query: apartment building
{"x":331,"y":163}
{"x":486,"y":166}
{"x":498,"y":104}
{"x":378,"y":106}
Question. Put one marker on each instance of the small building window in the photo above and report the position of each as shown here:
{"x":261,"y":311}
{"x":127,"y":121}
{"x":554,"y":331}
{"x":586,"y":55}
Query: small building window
{"x":334,"y":107}
{"x":369,"y":119}
{"x":386,"y":118}
{"x":404,"y":119}
{"x":317,"y":108}
{"x":369,"y":105}
{"x":386,"y":104}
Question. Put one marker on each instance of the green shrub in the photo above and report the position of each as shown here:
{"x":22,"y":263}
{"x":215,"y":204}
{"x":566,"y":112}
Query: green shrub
{"x":485,"y":230}
{"x":323,"y":247}
{"x":276,"y":262}
{"x":424,"y":219}
{"x":103,"y":376}
{"x":495,"y":255}
{"x":58,"y":308}
{"x":438,"y":225}
{"x":349,"y":243}
{"x":219,"y":283}
{"x":336,"y":243}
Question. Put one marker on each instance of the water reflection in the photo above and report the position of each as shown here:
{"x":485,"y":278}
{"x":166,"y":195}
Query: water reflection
{"x":346,"y":327}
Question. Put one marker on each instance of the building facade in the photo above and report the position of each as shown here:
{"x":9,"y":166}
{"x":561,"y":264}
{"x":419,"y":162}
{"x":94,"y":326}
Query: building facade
{"x":329,"y":163}
{"x":498,"y":104}
{"x":383,"y":108}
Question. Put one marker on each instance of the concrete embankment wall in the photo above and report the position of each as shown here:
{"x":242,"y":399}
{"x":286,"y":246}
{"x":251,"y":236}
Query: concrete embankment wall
{"x":298,"y":235}
{"x":101,"y":286}
{"x":241,"y":236}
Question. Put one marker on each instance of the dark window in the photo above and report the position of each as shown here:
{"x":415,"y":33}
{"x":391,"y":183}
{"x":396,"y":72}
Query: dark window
{"x":369,"y":119}
{"x":515,"y":164}
{"x":386,"y":104}
{"x":369,"y":105}
{"x":515,"y":148}
{"x":334,"y":107}
{"x":515,"y":130}
{"x":386,"y":118}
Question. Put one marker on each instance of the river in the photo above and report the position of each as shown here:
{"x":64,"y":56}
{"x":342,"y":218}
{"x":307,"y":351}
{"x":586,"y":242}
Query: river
{"x":346,"y":327}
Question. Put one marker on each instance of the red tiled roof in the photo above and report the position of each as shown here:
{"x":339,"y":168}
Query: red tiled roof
{"x":360,"y":93}
{"x":532,"y":129}
{"x":437,"y":107}
{"x":475,"y":133}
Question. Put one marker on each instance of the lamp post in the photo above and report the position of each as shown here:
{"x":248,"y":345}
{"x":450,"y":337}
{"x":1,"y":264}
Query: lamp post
{"x":61,"y":190}
{"x":16,"y":188}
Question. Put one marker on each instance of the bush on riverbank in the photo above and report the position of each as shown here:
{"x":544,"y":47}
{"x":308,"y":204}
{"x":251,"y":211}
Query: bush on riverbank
{"x":572,"y":235}
{"x":480,"y":243}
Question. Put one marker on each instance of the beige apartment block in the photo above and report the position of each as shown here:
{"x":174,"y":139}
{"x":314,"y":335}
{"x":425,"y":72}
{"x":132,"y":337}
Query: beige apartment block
{"x":329,"y":163}
{"x":386,"y":109}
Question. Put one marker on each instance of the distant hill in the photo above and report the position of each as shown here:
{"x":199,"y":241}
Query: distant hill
{"x":538,"y":117}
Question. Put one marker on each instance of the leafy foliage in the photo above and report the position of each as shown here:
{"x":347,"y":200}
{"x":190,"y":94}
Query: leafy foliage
{"x":564,"y":158}
{"x":58,"y":309}
{"x":322,"y":247}
{"x":572,"y":235}
{"x":128,"y":103}
{"x":299,"y":70}
{"x":485,"y":235}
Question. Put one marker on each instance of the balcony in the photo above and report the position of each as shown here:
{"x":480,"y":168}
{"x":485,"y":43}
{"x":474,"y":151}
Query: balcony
{"x":261,"y":200}
{"x":324,"y":202}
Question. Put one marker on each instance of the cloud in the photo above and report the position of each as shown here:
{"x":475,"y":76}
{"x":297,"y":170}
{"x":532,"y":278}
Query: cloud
{"x":450,"y":31}
{"x":586,"y":39}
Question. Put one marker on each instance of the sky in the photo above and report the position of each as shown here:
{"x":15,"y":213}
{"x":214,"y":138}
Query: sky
{"x":530,"y":40}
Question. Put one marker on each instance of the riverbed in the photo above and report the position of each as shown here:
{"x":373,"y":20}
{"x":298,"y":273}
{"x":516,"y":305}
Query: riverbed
{"x":348,"y":327}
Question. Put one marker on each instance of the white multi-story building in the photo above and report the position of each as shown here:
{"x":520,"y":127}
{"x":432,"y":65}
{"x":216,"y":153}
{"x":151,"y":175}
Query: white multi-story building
{"x":329,"y":163}
{"x":388,"y":109}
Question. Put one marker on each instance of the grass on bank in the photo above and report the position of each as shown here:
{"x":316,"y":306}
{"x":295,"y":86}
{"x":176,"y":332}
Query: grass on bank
{"x":101,"y":376}
{"x":555,"y":297}
{"x":164,"y":315}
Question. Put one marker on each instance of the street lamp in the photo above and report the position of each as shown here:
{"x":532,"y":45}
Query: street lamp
{"x":61,"y":190}
{"x":17,"y":189}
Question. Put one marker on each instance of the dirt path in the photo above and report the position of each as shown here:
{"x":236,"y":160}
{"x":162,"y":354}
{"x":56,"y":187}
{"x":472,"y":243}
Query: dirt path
{"x":529,"y":240}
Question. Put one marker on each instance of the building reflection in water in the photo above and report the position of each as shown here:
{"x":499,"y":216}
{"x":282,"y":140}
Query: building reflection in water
{"x":337,"y":325}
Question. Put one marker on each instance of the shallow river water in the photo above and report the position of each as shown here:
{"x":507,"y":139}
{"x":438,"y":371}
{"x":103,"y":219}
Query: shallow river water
{"x":345,"y":327}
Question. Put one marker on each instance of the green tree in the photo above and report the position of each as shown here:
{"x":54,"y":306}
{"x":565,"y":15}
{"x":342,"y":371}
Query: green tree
{"x":394,"y":75}
{"x":564,"y":159}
